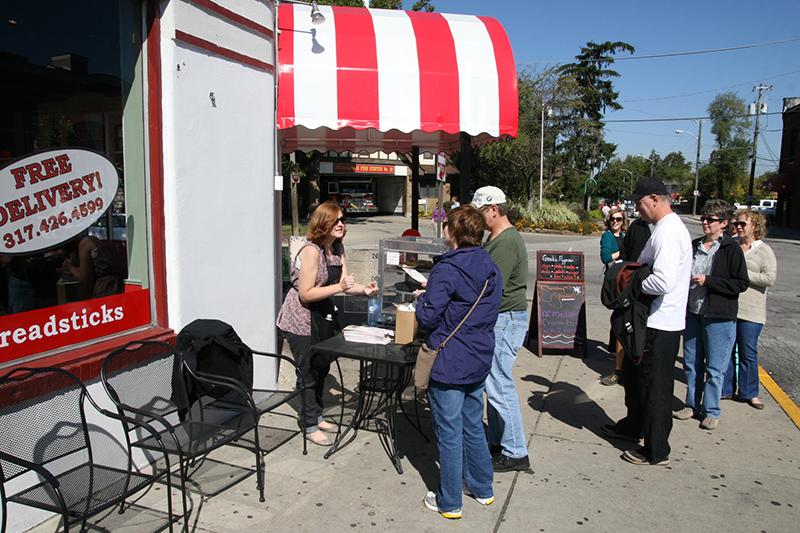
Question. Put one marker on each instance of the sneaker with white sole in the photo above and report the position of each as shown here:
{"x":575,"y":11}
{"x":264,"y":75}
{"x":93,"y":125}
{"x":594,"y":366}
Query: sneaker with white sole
{"x":709,"y":422}
{"x":430,"y":502}
{"x":634,"y":457}
{"x":684,"y":414}
{"x":483,"y":501}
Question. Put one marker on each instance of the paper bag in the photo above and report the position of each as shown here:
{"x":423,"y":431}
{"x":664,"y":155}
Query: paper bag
{"x":405,"y":328}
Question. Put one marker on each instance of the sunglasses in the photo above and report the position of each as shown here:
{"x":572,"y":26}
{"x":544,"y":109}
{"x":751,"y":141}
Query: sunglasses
{"x":341,"y":219}
{"x":710,"y":219}
{"x":617,"y":219}
{"x":740,"y":224}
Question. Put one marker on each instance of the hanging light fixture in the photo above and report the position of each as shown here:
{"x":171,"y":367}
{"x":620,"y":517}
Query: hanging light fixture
{"x":316,"y":16}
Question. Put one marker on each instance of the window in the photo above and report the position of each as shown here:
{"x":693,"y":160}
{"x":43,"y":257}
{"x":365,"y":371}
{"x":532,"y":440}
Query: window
{"x":69,"y":88}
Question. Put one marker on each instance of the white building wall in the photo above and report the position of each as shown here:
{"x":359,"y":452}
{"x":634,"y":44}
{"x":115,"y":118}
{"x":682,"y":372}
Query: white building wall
{"x":219,"y":164}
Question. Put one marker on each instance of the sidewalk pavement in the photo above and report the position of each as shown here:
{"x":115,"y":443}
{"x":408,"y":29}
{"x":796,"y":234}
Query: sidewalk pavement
{"x":743,"y":476}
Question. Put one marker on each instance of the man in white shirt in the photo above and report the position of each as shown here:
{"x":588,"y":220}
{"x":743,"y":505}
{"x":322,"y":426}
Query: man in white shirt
{"x":649,"y":384}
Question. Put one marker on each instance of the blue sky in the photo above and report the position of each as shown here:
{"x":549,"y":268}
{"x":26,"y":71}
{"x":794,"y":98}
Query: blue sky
{"x":673,"y":87}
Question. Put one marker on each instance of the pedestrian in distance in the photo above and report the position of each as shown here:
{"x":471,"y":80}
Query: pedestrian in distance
{"x":719,"y":274}
{"x":649,"y":384}
{"x":464,"y":286}
{"x":505,"y":245}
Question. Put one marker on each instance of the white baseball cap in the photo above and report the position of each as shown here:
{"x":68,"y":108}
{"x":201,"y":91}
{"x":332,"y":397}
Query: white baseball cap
{"x":488,"y":195}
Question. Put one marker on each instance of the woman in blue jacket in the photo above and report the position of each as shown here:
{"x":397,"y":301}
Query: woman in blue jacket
{"x":611,"y":245}
{"x":457,"y":377}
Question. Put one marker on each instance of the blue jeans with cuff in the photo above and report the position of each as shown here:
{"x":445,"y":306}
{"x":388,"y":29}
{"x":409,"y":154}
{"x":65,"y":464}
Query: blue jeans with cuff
{"x":707,"y":345}
{"x":457,"y":414}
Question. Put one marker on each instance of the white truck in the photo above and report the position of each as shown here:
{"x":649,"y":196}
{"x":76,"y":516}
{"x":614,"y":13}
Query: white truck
{"x":766,"y":206}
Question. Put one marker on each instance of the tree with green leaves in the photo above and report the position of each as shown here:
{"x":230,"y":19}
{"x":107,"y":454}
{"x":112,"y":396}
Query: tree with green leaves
{"x":513,"y":165}
{"x":583,"y":148}
{"x":729,"y":160}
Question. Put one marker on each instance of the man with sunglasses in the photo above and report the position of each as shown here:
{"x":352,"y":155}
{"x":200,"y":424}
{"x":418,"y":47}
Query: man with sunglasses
{"x":649,"y":382}
{"x":507,"y":249}
{"x":719,"y":274}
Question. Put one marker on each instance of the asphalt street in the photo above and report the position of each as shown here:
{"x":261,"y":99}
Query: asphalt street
{"x":779,"y":339}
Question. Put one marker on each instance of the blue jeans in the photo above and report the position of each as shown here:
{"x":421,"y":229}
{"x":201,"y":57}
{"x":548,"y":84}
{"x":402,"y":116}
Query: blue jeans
{"x":502,"y":412}
{"x":707,"y":345}
{"x":463,"y":455}
{"x":747,"y":334}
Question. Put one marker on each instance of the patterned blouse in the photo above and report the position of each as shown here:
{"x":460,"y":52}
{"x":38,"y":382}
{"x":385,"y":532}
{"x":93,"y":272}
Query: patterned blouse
{"x":703,"y":261}
{"x":294,"y":316}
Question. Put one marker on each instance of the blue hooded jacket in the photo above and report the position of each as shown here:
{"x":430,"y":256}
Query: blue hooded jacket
{"x":454,"y":284}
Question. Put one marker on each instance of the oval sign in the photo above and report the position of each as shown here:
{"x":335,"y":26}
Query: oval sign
{"x":50,"y":197}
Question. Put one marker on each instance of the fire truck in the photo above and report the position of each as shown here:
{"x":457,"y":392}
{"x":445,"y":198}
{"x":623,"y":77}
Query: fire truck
{"x":354,"y":195}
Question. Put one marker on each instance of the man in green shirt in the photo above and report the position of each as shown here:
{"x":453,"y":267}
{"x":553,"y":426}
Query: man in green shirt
{"x":507,"y":250}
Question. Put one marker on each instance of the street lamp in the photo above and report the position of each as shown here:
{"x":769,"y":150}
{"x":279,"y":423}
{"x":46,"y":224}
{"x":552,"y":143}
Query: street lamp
{"x":696,"y":163}
{"x":652,"y":165}
{"x":631,"y":173}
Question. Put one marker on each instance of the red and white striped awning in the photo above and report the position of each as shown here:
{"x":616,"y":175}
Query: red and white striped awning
{"x":375,"y":79}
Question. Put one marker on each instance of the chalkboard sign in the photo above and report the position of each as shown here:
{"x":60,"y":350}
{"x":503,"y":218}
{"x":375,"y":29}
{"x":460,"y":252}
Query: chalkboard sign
{"x":558,"y":266}
{"x":560,"y":316}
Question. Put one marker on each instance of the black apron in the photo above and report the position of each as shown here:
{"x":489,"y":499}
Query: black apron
{"x":324,"y":324}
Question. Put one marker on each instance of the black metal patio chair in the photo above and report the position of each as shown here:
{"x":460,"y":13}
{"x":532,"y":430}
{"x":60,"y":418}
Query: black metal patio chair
{"x":57,"y":455}
{"x":148,"y":381}
{"x":214,"y":350}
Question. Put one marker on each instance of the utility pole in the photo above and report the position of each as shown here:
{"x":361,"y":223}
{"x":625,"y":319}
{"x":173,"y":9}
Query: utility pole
{"x":750,"y":198}
{"x":696,"y":192}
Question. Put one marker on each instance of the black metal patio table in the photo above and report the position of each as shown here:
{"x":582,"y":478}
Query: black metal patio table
{"x":384,"y":373}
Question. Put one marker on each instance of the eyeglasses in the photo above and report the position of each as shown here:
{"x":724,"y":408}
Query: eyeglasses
{"x":444,"y":224}
{"x":341,"y":219}
{"x":617,"y":219}
{"x":740,"y":224}
{"x":710,"y":219}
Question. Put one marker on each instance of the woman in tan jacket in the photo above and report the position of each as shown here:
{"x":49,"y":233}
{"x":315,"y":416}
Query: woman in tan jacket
{"x":761,"y":269}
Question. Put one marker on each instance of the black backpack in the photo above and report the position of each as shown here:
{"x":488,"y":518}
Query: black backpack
{"x":213,"y":347}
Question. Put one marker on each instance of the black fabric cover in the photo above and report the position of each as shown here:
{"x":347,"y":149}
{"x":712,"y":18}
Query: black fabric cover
{"x":622,"y":292}
{"x":213,"y":347}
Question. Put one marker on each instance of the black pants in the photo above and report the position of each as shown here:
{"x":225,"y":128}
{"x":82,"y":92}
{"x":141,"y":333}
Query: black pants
{"x":314,"y":368}
{"x":648,"y":393}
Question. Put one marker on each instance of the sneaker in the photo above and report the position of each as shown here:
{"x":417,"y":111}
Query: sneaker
{"x":483,"y":501}
{"x":709,"y":422}
{"x":430,"y":502}
{"x":684,"y":414}
{"x":637,"y":458}
{"x":611,"y":379}
{"x":610,"y":430}
{"x":504,"y":463}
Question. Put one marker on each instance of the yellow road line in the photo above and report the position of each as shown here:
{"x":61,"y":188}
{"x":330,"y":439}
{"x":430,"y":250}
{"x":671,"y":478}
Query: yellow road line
{"x":784,"y":401}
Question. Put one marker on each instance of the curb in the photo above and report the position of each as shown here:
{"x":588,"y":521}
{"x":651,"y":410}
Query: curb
{"x":777,"y":393}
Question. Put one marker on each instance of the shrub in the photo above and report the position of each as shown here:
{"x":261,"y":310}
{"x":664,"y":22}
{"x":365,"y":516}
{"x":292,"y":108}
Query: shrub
{"x":550,"y":212}
{"x":553,"y":216}
{"x":595,"y":214}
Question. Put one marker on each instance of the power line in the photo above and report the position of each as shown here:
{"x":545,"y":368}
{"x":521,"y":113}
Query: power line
{"x":678,"y":119}
{"x":711,"y":90}
{"x":674,"y":54}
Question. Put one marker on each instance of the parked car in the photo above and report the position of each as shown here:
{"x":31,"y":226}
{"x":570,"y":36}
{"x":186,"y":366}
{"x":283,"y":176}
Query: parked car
{"x":119,"y":230}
